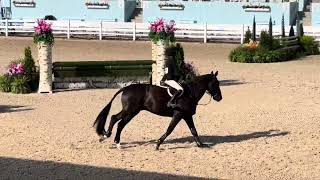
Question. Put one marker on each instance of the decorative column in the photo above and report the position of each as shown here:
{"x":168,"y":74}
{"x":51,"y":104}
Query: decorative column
{"x":45,"y":67}
{"x":159,"y":57}
{"x":154,"y":63}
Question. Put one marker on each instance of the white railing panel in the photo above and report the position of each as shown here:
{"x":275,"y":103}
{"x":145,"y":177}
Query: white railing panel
{"x":129,"y":29}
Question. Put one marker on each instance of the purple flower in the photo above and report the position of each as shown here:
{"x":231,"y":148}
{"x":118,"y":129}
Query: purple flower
{"x":42,"y":27}
{"x":16,"y":69}
{"x":160,"y":26}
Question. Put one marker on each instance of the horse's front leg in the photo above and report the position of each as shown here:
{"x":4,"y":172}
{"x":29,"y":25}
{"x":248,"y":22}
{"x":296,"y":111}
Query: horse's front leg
{"x":189,"y":121}
{"x":175,"y":120}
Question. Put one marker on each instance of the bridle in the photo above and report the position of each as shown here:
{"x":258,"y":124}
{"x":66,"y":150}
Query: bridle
{"x":209,"y":100}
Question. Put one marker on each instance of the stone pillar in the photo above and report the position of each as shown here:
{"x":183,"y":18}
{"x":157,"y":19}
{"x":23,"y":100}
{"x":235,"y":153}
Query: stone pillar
{"x":154,"y":63}
{"x":45,"y":67}
{"x":159,"y":57}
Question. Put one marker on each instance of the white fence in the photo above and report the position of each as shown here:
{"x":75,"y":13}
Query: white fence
{"x":136,"y":31}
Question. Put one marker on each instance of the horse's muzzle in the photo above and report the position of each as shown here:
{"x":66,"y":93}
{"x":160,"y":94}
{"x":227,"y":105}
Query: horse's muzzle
{"x":217,"y":98}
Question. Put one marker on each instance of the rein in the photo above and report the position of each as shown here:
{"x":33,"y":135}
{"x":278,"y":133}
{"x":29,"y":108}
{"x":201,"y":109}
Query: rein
{"x":206,"y":103}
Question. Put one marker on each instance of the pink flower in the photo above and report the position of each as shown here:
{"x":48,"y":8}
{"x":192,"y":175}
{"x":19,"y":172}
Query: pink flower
{"x":43,"y":27}
{"x":160,"y":26}
{"x":16,"y":69}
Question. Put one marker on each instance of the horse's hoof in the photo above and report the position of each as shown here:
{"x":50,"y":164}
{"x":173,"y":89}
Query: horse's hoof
{"x":203,"y":145}
{"x":119,"y":146}
{"x":102,"y":139}
{"x":107,"y":134}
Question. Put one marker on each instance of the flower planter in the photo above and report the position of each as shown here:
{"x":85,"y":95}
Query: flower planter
{"x":168,"y":6}
{"x":24,"y":4}
{"x":172,"y":8}
{"x":98,"y":6}
{"x":257,"y":9}
{"x":45,"y":65}
{"x":159,"y":57}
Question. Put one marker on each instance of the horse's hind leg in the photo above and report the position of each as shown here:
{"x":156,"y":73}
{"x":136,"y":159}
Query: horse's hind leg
{"x":114,"y":119}
{"x":126,"y":118}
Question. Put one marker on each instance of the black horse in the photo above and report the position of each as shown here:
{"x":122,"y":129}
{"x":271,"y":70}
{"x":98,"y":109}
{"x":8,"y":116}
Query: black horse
{"x":154,"y":99}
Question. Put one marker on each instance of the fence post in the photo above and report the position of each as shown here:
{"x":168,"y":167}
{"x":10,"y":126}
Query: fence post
{"x":242,"y":34}
{"x":68,"y":33}
{"x":205,"y":33}
{"x":100,"y":30}
{"x":134,"y":31}
{"x":7,"y":24}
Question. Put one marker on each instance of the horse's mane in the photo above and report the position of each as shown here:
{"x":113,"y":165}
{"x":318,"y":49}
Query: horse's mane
{"x":192,"y":86}
{"x":197,"y":79}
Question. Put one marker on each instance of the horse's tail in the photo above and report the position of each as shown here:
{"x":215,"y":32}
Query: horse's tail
{"x":102,"y":117}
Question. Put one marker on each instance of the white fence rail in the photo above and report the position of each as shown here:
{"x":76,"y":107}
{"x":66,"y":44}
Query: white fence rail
{"x":134,"y":31}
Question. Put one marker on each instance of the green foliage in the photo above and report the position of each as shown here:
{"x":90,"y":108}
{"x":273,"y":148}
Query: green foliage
{"x":30,"y":69}
{"x":265,"y":40}
{"x":242,"y":54}
{"x":254,"y":29}
{"x":291,"y":32}
{"x":157,"y":36}
{"x":308,"y":45}
{"x":275,"y":44}
{"x":28,"y":62}
{"x":263,"y":55}
{"x":46,"y":38}
{"x":247,"y":36}
{"x":22,"y":83}
{"x":19,"y":85}
{"x":283,"y":31}
{"x":186,"y":71}
{"x":5,"y":83}
{"x":270,"y":27}
{"x":301,"y":30}
{"x":179,"y":57}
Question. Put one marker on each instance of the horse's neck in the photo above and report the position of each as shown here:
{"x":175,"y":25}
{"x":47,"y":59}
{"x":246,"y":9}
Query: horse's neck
{"x":199,"y":88}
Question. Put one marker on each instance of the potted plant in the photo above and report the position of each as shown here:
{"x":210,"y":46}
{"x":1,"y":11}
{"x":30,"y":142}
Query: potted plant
{"x":256,"y":8}
{"x":44,"y":39}
{"x":97,"y":5}
{"x":161,"y":34}
{"x":29,"y":3}
{"x":170,"y":6}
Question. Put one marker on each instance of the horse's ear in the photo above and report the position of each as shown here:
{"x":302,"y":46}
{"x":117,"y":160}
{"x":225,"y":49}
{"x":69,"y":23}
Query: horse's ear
{"x":211,"y":72}
{"x":216,"y":74}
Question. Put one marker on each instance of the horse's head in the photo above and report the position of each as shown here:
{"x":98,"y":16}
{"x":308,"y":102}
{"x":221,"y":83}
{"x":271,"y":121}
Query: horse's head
{"x":214,"y":88}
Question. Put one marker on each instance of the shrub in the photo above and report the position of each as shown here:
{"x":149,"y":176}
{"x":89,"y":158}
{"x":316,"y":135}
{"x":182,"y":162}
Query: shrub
{"x":291,"y":32}
{"x":28,"y":62}
{"x":186,"y":71}
{"x":5,"y":83}
{"x":247,"y":36}
{"x":22,"y":76}
{"x":19,"y":85}
{"x":301,"y":30}
{"x":242,"y":54}
{"x":30,"y":69}
{"x":276,"y":44}
{"x":263,"y":55}
{"x":308,"y":45}
{"x":265,"y":40}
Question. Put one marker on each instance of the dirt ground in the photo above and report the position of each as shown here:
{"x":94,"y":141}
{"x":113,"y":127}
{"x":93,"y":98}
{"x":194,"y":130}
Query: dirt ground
{"x":266,"y":127}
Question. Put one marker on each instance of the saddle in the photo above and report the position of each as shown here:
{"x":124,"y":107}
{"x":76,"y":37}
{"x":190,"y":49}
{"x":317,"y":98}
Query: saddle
{"x":170,"y":90}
